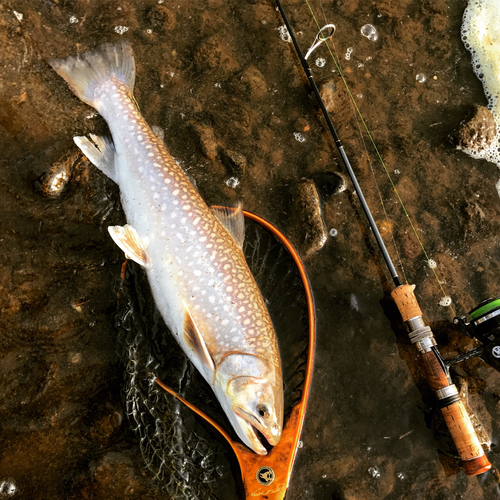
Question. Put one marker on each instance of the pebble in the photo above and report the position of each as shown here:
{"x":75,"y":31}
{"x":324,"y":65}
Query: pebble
{"x":255,"y":81}
{"x":235,"y":163}
{"x":305,"y":210}
{"x":54,"y":181}
{"x":7,"y":488}
{"x":206,"y":136}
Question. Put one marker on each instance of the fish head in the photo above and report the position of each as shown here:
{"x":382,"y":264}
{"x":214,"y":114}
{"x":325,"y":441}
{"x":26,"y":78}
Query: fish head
{"x":254,"y":402}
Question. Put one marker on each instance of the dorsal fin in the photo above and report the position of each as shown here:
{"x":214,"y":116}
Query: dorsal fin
{"x":194,"y":340}
{"x":233,"y":220}
{"x":130,"y":242}
{"x":159,"y":132}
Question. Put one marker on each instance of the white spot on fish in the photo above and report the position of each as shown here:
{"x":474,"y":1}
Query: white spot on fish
{"x":179,"y":235}
{"x":211,"y":299}
{"x":197,"y":272}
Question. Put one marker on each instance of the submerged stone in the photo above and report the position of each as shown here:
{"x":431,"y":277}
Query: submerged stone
{"x":477,"y":132}
{"x":310,"y":233}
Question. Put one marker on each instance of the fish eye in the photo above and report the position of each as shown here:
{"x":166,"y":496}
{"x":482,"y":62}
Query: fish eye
{"x":264,"y":411}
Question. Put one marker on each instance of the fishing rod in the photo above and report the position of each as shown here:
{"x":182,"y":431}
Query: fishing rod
{"x":436,"y":369}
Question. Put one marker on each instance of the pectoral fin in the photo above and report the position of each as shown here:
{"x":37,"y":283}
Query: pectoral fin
{"x":130,"y":242}
{"x":194,"y":340}
{"x":233,"y":221}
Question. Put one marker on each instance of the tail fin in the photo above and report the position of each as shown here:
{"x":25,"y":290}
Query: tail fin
{"x":87,"y":71}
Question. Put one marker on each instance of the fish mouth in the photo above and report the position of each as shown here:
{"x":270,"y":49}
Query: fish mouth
{"x":252,"y":428}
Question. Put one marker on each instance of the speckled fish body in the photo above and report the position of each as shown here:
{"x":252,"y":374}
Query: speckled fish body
{"x":200,"y":281}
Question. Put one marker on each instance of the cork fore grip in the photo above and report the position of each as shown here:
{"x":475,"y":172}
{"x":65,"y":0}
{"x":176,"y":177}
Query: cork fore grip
{"x":405,"y":299}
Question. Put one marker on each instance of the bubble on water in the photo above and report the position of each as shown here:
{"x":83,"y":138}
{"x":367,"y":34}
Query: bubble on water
{"x":370,"y":32}
{"x":232,"y":182}
{"x":445,"y":301}
{"x":333,"y":232}
{"x":320,"y":62}
{"x":73,"y":19}
{"x":149,"y":31}
{"x":397,"y":171}
{"x":300,"y":444}
{"x":432,"y":263}
{"x":299,"y":137}
{"x":401,"y":476}
{"x":374,"y":472}
{"x":7,"y":488}
{"x":121,"y":29}
{"x":18,"y":15}
{"x":348,"y":53}
{"x":284,"y":35}
{"x":421,"y":78}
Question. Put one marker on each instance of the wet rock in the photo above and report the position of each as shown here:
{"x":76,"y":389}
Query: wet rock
{"x":106,"y":424}
{"x":309,"y":231}
{"x":477,"y":132}
{"x":410,"y":246}
{"x":54,"y":181}
{"x":328,"y":93}
{"x":255,"y":81}
{"x":214,"y":54}
{"x":208,"y":143}
{"x":8,"y":488}
{"x":115,"y":476}
{"x":329,"y":184}
{"x":235,"y":163}
{"x":161,"y":18}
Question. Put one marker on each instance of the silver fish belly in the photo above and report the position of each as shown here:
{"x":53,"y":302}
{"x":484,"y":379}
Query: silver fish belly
{"x":192,"y":254}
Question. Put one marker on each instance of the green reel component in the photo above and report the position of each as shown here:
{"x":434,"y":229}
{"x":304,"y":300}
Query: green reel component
{"x":485,"y":307}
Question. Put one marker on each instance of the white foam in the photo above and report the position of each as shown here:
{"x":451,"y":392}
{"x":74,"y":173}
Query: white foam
{"x":481,"y":36}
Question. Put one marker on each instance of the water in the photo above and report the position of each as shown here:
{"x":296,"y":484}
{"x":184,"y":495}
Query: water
{"x":61,"y":433}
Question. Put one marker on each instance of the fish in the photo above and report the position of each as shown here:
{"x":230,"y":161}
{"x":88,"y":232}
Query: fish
{"x":192,"y":253}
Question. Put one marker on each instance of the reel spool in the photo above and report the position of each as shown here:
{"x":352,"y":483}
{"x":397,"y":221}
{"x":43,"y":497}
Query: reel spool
{"x":485,"y":327}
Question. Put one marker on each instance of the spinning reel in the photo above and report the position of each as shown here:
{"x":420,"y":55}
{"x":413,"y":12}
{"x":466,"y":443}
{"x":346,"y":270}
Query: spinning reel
{"x":485,"y":327}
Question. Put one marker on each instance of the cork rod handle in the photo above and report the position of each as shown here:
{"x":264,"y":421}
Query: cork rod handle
{"x":455,"y":415}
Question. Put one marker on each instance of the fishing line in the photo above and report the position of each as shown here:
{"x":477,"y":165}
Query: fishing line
{"x":336,"y":61}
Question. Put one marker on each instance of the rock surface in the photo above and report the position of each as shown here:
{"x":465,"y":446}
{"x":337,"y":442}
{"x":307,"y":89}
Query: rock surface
{"x":477,"y":132}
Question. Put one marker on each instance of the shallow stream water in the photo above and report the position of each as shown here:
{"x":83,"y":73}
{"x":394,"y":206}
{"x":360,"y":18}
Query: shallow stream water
{"x":238,"y":115}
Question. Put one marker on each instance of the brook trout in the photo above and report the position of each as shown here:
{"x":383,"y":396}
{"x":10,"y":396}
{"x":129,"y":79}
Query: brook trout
{"x":192,"y":254}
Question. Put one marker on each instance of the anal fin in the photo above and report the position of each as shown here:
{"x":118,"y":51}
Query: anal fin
{"x":130,"y":242}
{"x":101,"y":153}
{"x":194,"y":340}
